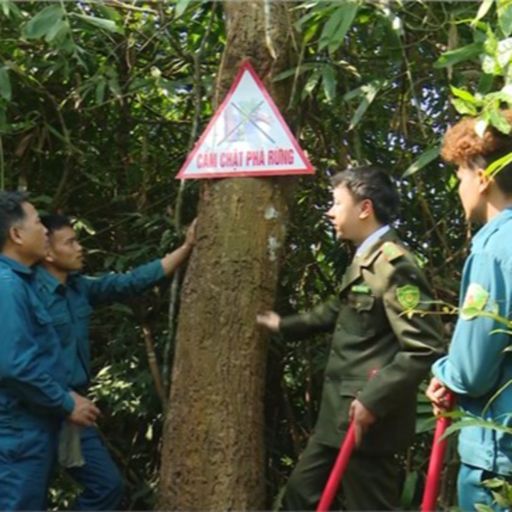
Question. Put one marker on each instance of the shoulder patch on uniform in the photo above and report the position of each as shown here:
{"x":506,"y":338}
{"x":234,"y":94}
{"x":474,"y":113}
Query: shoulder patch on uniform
{"x":475,"y":300}
{"x":392,"y":251}
{"x":408,"y":296}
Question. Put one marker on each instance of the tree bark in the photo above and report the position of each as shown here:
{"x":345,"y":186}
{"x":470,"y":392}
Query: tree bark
{"x":213,"y":449}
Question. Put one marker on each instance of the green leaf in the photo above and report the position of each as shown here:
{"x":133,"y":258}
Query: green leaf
{"x":496,"y":166}
{"x":329,"y":82}
{"x":290,"y":72}
{"x":114,"y":87}
{"x":499,"y":122}
{"x":504,"y":52}
{"x":10,"y":9}
{"x":453,"y":57}
{"x":4,"y":128}
{"x":5,"y":84}
{"x":337,"y":26}
{"x":490,"y":42}
{"x":57,"y":31}
{"x":108,"y":25}
{"x":43,"y":22}
{"x":480,"y":507}
{"x":425,"y":158}
{"x":109,"y":13}
{"x":6,"y":5}
{"x":482,"y":11}
{"x":493,"y":483}
{"x":181,"y":7}
{"x":312,"y":82}
{"x":409,"y":490}
{"x":505,"y":18}
{"x":464,"y":108}
{"x":100,"y":91}
{"x":354,"y":93}
{"x":485,"y":83}
{"x":369,"y":92}
{"x":463,"y":95}
{"x":343,"y":28}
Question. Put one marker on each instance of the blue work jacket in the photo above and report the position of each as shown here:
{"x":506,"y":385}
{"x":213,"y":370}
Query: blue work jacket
{"x":33,"y":383}
{"x":477,"y":365}
{"x":70,"y":307}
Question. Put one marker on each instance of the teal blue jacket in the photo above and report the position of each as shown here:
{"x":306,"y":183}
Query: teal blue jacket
{"x":33,"y":383}
{"x":70,"y":306}
{"x":477,"y":365}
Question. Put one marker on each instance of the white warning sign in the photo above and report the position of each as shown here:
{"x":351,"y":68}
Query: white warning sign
{"x":247,"y":136}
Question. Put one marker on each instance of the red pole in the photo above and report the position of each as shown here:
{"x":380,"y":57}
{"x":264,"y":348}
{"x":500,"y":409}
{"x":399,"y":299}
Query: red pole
{"x":337,"y":471}
{"x":435,"y":465}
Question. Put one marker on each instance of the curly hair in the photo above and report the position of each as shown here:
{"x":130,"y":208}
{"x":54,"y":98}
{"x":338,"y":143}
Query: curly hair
{"x":463,"y":146}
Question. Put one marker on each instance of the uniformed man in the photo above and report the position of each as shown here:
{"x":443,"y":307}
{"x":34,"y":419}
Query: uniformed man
{"x":478,"y":369}
{"x":376,"y":330}
{"x":69,"y":298}
{"x":34,"y":395}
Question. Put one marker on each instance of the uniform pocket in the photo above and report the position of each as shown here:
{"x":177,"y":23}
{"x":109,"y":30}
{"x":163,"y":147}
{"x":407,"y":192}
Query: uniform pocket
{"x":348,"y":391}
{"x":11,"y":443}
{"x":42,"y":318}
{"x":358,"y":315}
{"x":351,"y":387}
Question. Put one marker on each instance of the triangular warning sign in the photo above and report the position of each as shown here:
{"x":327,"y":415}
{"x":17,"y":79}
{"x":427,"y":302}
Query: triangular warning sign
{"x":247,"y":136}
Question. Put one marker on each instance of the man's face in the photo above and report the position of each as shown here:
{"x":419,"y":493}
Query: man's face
{"x":346,"y":214}
{"x":32,"y":234}
{"x":65,"y":252}
{"x":472,"y":185}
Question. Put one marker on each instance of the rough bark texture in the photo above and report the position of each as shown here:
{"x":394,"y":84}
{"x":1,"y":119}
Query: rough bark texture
{"x":213,"y":451}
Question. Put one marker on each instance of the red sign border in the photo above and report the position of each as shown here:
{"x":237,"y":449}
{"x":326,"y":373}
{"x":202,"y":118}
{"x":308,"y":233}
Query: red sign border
{"x":246,"y":66}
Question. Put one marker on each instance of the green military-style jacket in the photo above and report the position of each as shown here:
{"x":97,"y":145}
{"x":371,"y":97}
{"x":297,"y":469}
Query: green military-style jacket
{"x":377,"y":330}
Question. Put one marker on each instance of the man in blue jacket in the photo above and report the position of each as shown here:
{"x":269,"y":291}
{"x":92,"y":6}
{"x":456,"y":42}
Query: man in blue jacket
{"x":69,"y":298}
{"x":34,"y":395}
{"x":478,"y":369}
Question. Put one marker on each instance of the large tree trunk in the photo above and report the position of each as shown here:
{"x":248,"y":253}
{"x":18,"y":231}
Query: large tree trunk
{"x":213,"y":450}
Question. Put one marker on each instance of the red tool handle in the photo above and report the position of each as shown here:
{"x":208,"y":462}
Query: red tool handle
{"x":435,"y":465}
{"x":337,"y":471}
{"x":346,"y":449}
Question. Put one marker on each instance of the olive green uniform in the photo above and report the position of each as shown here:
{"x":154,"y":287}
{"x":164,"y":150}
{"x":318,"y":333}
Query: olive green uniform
{"x":376,"y":327}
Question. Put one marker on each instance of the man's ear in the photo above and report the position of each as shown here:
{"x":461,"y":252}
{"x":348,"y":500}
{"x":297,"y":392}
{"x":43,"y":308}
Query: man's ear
{"x":49,"y":255}
{"x":15,"y":235}
{"x":484,"y":181}
{"x":366,"y":209}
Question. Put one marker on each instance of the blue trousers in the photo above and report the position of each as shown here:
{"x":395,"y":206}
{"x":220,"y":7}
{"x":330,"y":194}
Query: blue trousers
{"x":27,"y":458}
{"x":471,"y":491}
{"x":100,"y":478}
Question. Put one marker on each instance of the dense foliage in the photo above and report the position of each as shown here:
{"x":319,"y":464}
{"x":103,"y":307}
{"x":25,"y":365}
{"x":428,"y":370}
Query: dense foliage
{"x":101,"y":101}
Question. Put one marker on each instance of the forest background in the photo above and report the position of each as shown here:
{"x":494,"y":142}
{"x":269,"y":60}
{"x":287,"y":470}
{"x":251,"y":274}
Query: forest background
{"x":100,"y":102}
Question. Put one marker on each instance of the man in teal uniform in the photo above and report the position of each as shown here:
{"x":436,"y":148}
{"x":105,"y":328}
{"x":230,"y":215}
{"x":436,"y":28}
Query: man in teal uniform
{"x":34,"y":395}
{"x":381,"y":350}
{"x":69,"y":298}
{"x":477,"y":368}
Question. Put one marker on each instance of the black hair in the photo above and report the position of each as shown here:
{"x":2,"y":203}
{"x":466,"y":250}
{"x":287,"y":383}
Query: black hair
{"x":371,"y":182}
{"x":11,"y":213}
{"x":503,"y":177}
{"x":55,"y":221}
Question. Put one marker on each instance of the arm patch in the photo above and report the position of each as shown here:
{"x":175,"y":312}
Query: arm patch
{"x":392,"y":251}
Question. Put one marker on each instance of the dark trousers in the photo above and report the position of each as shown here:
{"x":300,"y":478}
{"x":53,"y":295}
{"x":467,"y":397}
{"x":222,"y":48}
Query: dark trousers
{"x":102,"y":482}
{"x":27,"y":458}
{"x":369,"y":483}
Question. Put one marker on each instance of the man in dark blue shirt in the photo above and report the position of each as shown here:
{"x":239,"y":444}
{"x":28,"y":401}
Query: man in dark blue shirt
{"x":34,"y":395}
{"x":69,"y":298}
